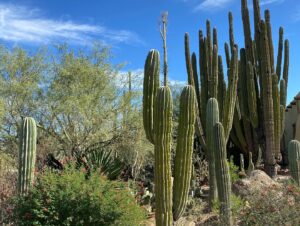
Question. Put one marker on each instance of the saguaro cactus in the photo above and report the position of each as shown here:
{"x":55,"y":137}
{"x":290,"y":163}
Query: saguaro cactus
{"x":184,"y":150}
{"x":223,"y":176}
{"x":212,"y":117}
{"x":151,"y":84}
{"x":294,"y":160}
{"x":162,"y":151}
{"x":27,"y":154}
{"x":157,"y":107}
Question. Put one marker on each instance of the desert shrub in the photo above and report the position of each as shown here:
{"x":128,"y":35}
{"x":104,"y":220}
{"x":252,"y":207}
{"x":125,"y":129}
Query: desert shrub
{"x":67,"y":198}
{"x":8,"y":180}
{"x":273,"y":206}
{"x":233,"y":171}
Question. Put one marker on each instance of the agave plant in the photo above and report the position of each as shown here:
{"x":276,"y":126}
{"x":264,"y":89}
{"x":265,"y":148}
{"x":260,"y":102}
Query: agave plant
{"x":103,"y":160}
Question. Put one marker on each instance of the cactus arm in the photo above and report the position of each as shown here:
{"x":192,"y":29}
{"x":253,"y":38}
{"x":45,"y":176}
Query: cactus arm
{"x":230,"y":95}
{"x":227,"y":54}
{"x":151,"y":83}
{"x":270,"y":39}
{"x":277,"y":123}
{"x":286,"y":62}
{"x":279,"y":53}
{"x":252,"y":105}
{"x":188,"y":62}
{"x":184,"y":151}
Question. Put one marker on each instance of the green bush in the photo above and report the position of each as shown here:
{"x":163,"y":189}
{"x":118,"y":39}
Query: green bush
{"x":272,"y":206}
{"x":233,"y":171}
{"x":67,"y":198}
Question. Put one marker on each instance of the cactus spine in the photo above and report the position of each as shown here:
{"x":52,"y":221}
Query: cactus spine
{"x":294,"y":160}
{"x":162,"y":151}
{"x":151,"y":84}
{"x":27,"y":154}
{"x":184,"y":150}
{"x":223,"y":176}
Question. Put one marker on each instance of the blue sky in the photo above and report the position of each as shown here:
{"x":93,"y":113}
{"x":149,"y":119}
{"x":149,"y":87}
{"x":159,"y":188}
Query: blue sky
{"x":131,"y":27}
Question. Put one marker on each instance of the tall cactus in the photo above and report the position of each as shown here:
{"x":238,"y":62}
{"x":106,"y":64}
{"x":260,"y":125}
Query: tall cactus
{"x":184,"y":150}
{"x":162,"y":150}
{"x":223,"y":176}
{"x":151,"y":84}
{"x":294,"y":160}
{"x":260,"y":100}
{"x":27,"y":154}
{"x":212,"y":117}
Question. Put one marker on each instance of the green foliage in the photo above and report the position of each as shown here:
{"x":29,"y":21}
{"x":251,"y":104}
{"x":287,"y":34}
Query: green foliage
{"x":233,"y":171}
{"x":103,"y":161}
{"x":67,"y":198}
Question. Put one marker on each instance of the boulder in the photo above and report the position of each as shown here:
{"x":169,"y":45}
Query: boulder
{"x":256,"y":181}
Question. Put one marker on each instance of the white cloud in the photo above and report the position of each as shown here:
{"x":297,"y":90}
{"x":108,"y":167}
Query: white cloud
{"x":267,"y":2}
{"x":209,"y":5}
{"x":137,"y":77}
{"x":21,"y":24}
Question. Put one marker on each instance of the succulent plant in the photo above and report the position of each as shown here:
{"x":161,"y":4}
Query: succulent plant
{"x":27,"y":154}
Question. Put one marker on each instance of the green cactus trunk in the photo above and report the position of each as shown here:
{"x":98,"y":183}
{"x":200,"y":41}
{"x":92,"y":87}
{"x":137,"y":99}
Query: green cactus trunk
{"x":27,"y":154}
{"x":268,"y":108}
{"x":222,"y":175}
{"x":162,"y":151}
{"x":294,"y":160}
{"x":212,"y":117}
{"x":184,"y":150}
{"x":151,"y":84}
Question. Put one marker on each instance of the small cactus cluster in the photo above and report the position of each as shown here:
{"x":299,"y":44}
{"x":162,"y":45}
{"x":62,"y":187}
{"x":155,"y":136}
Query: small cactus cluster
{"x":157,"y":112}
{"x":27,"y":154}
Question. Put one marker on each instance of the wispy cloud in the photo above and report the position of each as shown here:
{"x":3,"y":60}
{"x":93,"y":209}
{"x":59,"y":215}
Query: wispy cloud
{"x":296,"y":16}
{"x":212,"y":5}
{"x":268,"y":2}
{"x":21,"y":24}
{"x":137,"y":77}
{"x":209,"y":5}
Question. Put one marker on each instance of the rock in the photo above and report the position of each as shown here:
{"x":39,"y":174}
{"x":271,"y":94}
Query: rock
{"x":184,"y":222}
{"x":257,"y":180}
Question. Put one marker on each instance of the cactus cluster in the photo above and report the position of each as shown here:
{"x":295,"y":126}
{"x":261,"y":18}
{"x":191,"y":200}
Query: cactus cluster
{"x":158,"y":109}
{"x":27,"y":154}
{"x":253,"y":113}
{"x":247,"y":113}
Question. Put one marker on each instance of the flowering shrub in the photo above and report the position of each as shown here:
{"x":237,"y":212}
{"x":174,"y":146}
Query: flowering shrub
{"x":67,"y":198}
